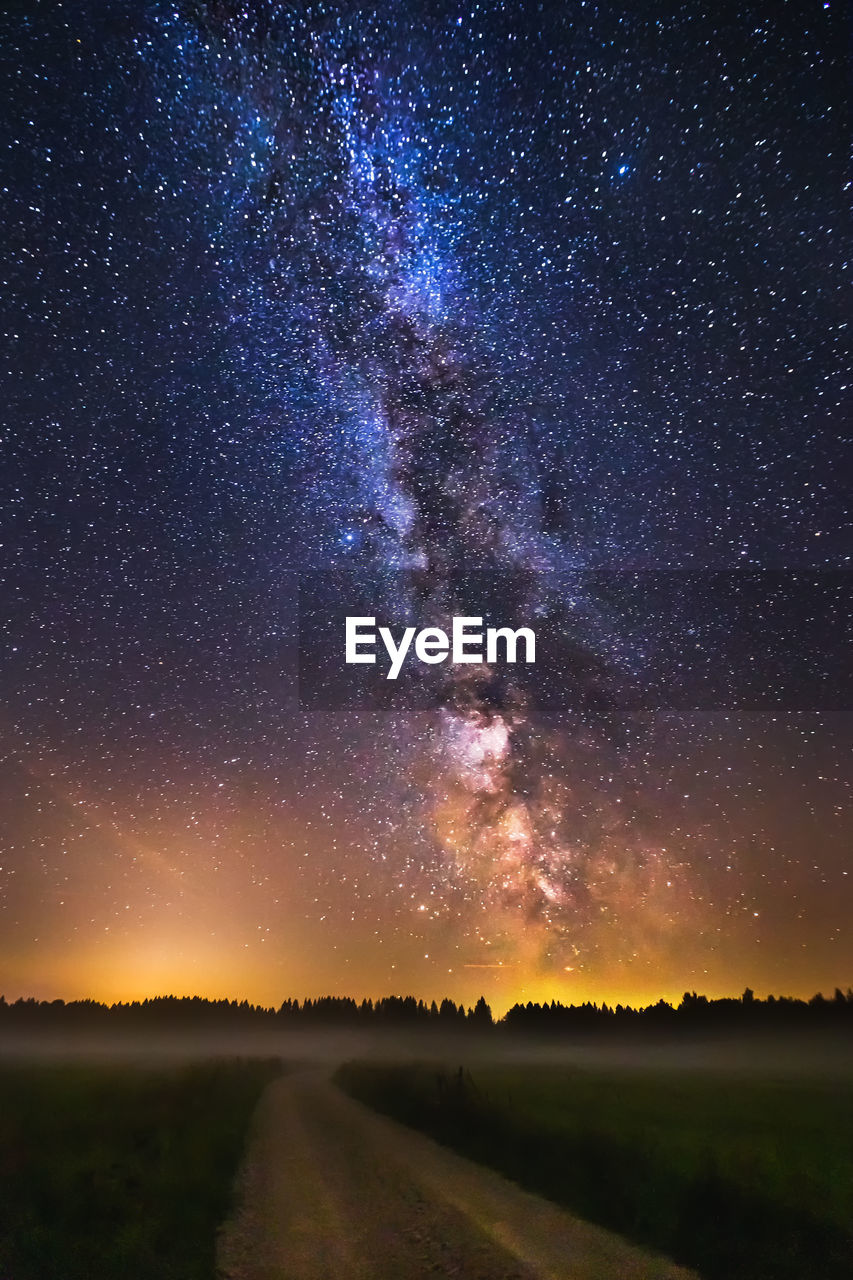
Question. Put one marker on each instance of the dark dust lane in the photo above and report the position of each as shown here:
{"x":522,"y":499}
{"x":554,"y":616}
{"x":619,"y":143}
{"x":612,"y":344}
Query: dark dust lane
{"x":332,"y":1191}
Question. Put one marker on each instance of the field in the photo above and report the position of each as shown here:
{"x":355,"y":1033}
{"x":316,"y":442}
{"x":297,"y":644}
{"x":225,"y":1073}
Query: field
{"x":739,"y":1177}
{"x":120,"y":1171}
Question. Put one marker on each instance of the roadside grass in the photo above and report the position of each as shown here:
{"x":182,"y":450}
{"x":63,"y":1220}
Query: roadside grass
{"x":738,"y":1177}
{"x":120,"y":1170}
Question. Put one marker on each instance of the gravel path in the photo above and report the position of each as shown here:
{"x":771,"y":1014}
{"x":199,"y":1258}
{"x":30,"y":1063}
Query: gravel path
{"x":331,"y":1191}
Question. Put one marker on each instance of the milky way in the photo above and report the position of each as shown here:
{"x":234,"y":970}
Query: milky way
{"x":465,"y":306}
{"x":446,"y":482}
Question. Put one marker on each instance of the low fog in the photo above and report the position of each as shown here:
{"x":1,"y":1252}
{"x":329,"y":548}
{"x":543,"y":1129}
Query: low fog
{"x":817,"y":1053}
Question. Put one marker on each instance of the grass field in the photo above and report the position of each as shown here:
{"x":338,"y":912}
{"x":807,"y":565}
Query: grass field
{"x":120,"y":1171}
{"x":741,"y":1178}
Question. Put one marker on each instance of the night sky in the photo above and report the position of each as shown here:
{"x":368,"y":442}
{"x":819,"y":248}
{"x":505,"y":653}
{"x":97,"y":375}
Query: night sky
{"x":535,"y":303}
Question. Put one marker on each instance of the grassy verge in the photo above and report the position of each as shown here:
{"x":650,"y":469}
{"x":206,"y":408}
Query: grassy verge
{"x":120,"y":1171}
{"x":740,"y":1178}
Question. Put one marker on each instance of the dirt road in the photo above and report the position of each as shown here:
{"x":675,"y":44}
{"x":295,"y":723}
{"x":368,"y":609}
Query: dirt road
{"x":332,"y":1191}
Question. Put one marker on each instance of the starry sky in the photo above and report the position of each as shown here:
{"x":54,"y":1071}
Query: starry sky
{"x":531,"y":310}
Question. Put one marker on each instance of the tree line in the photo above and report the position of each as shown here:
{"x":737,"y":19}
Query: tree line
{"x":694,"y":1010}
{"x":176,"y":1011}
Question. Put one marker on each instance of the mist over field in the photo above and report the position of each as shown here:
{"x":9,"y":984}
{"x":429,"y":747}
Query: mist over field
{"x":825,"y":1055}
